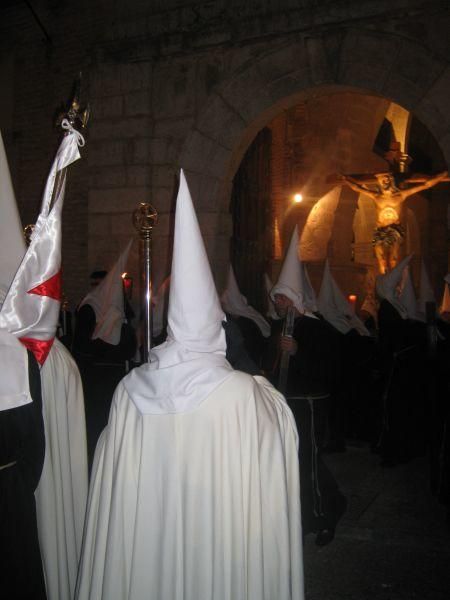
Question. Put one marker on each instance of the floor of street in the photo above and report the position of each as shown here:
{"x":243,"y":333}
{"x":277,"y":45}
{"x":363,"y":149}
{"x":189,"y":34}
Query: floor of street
{"x":392,"y":543}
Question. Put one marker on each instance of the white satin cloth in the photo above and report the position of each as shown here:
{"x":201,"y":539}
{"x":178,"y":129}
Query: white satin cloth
{"x":14,"y":385}
{"x":196,"y":506}
{"x":30,"y":315}
{"x":61,"y":496}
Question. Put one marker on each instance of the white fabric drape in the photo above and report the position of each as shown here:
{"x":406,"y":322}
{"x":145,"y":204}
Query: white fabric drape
{"x":196,"y":506}
{"x":62,"y":492}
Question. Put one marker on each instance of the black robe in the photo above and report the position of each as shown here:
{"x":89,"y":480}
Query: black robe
{"x":313,"y":377}
{"x":22,"y":439}
{"x":101,"y":366}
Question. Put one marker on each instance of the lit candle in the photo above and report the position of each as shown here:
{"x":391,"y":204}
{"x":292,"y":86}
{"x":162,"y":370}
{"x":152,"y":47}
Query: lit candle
{"x":352,"y":301}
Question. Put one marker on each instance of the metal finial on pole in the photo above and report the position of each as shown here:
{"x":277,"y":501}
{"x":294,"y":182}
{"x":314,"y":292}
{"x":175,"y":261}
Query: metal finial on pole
{"x":144,"y":219}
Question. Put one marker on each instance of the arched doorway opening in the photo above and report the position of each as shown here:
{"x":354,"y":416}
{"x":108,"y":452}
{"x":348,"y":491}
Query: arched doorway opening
{"x":300,"y":151}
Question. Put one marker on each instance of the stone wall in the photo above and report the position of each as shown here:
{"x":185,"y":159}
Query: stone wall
{"x":190,"y":84}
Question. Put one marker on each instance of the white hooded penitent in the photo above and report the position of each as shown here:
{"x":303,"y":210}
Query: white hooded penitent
{"x":445,"y":304}
{"x":234,"y":303}
{"x":426,"y":293}
{"x":290,"y":280}
{"x":386,"y":286}
{"x":309,"y":295}
{"x":62,"y":492}
{"x":407,"y":296}
{"x":191,"y":363}
{"x":335,"y":308}
{"x":107,"y":301}
{"x":13,"y":243}
{"x":14,"y":390}
{"x":268,"y":285}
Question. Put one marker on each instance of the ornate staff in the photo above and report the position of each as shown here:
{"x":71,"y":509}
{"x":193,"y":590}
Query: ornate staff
{"x":144,"y":219}
{"x":78,"y":117}
{"x":288,"y":330}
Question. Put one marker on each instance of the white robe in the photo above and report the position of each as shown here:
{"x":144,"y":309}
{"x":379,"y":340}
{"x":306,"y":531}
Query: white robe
{"x":201,"y":505}
{"x":62,"y":492}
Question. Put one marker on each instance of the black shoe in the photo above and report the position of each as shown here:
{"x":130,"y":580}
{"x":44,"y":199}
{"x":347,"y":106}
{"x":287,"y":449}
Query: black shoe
{"x":324,"y":537}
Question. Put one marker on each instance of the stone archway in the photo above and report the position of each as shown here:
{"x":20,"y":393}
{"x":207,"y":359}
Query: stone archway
{"x":357,"y":61}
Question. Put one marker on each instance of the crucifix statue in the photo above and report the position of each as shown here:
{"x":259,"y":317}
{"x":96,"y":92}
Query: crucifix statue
{"x":389,"y":196}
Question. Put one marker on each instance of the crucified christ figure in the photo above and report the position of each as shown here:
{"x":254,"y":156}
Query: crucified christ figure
{"x":389,"y":233}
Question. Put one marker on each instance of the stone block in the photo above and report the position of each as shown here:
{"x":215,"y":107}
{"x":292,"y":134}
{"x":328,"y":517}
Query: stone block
{"x":164,"y":151}
{"x":99,"y":225}
{"x":436,"y":98}
{"x":122,"y":225}
{"x":137,"y":103}
{"x":116,"y":200}
{"x":402,"y":90}
{"x":107,"y":107}
{"x":280,"y":62}
{"x":137,"y":175}
{"x":176,"y":127}
{"x":137,"y":151}
{"x":105,"y":81}
{"x":319,"y":66}
{"x":196,"y":152}
{"x":219,"y":121}
{"x":121,"y":128}
{"x":109,"y":152}
{"x":135,"y":76}
{"x":163,"y":198}
{"x":173,"y":89}
{"x":282,"y":90}
{"x":106,"y":177}
{"x":164,"y":176}
{"x":241,"y":89}
{"x":102,"y":251}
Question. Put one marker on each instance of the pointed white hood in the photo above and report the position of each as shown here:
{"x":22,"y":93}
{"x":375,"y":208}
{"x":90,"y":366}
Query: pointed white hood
{"x":191,"y":363}
{"x":309,"y":295}
{"x":234,"y":303}
{"x":270,"y":312}
{"x":426,"y":293}
{"x":407,"y":296}
{"x":290,"y":280}
{"x":335,"y":308}
{"x":370,"y":305}
{"x":107,"y":301}
{"x":14,"y":389}
{"x":386,"y":286}
{"x":13,"y":243}
{"x":445,"y":304}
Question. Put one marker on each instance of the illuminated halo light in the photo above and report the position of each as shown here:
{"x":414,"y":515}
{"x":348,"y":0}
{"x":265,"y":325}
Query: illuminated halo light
{"x":298,"y":198}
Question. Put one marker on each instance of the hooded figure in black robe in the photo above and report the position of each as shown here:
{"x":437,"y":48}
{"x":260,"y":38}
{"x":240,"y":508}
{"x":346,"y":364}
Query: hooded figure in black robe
{"x":22,"y":450}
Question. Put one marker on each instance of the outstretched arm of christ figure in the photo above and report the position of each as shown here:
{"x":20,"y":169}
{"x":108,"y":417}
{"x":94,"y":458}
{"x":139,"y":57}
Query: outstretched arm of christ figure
{"x":357,"y":187}
{"x":428,"y":184}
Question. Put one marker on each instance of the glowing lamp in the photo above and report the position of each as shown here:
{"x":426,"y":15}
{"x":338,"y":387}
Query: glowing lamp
{"x":127,"y":281}
{"x":298,"y":198}
{"x":352,"y":301}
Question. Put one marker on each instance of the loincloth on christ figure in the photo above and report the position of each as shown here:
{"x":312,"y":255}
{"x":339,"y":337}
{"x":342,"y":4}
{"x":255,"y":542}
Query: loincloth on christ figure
{"x":388,"y":235}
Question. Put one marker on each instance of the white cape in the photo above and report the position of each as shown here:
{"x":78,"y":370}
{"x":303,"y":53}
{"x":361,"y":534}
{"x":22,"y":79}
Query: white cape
{"x":199,"y":505}
{"x":62,"y":492}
